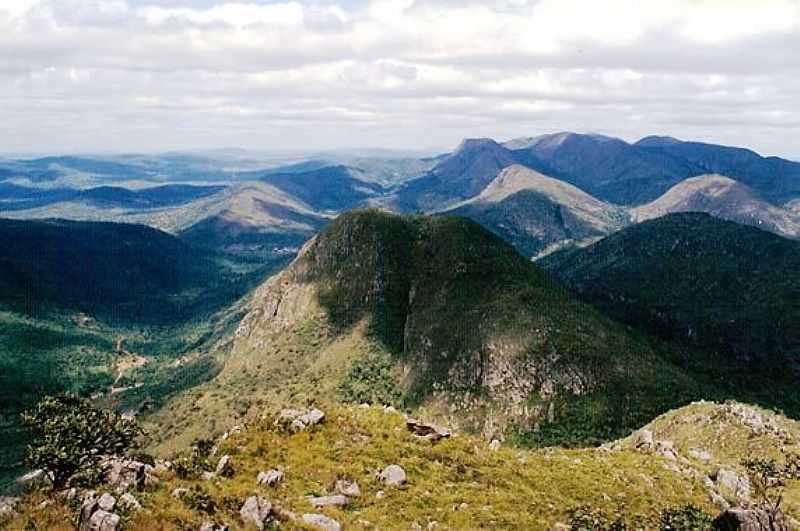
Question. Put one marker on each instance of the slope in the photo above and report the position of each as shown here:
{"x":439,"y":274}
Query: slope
{"x":731,"y":292}
{"x":440,"y":315}
{"x":723,"y":198}
{"x":535,"y":213}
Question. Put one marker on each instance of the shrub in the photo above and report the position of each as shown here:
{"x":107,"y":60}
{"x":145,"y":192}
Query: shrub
{"x":198,"y":499}
{"x":370,"y":380}
{"x":685,"y":518}
{"x":72,"y":436}
{"x":589,"y":519}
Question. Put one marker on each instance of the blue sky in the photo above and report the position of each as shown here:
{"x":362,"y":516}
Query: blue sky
{"x":153,"y":75}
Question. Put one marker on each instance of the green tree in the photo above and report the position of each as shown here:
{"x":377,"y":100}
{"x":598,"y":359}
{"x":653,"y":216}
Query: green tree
{"x":71,"y":436}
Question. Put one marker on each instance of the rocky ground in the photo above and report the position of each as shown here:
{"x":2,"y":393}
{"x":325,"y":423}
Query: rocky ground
{"x":371,"y":467}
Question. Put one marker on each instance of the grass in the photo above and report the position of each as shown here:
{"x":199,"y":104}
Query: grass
{"x":458,"y":483}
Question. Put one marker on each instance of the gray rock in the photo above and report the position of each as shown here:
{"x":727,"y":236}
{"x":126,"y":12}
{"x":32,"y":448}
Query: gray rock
{"x":225,"y":467}
{"x":7,"y":504}
{"x":256,"y":510}
{"x":129,"y":503}
{"x":269,"y":478}
{"x":643,"y":441}
{"x":35,"y":478}
{"x":393,"y":475}
{"x":432,"y":432}
{"x":104,"y":521}
{"x":666,"y":449}
{"x":107,"y":502}
{"x":321,"y":522}
{"x":208,"y":476}
{"x":732,"y":483}
{"x":697,"y":453}
{"x":88,"y":508}
{"x":380,"y":495}
{"x":124,"y":474}
{"x":347,"y":488}
{"x":751,"y":519}
{"x":213,"y":526}
{"x":296,"y":420}
{"x":179,"y":493}
{"x":494,"y":445}
{"x":336,"y":500}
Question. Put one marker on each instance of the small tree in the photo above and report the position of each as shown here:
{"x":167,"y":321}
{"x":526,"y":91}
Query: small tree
{"x":72,"y":436}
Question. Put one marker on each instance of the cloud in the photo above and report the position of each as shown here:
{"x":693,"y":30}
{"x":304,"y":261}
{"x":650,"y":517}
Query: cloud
{"x":90,"y":75}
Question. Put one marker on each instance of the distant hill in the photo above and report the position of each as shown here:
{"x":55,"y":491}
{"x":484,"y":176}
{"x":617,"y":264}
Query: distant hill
{"x":333,"y":188}
{"x":723,"y":198}
{"x":730,"y":291}
{"x":458,"y":176}
{"x":534,"y":212}
{"x":436,"y":314}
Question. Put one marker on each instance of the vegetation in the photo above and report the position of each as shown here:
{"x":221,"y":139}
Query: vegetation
{"x":371,"y":380}
{"x":71,"y":436}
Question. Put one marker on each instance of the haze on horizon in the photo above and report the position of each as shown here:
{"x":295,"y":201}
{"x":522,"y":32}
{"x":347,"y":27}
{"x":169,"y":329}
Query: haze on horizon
{"x":150,"y":75}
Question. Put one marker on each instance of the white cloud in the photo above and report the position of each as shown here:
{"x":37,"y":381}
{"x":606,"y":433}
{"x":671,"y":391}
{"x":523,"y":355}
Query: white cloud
{"x":164,"y":74}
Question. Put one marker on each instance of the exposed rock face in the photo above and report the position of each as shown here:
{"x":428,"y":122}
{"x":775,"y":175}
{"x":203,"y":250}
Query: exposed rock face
{"x":124,"y":474}
{"x":269,"y":478}
{"x":393,"y":475}
{"x":33,"y":479}
{"x":96,"y":515}
{"x":256,"y":510}
{"x":753,"y":519}
{"x":321,"y":522}
{"x":732,"y":483}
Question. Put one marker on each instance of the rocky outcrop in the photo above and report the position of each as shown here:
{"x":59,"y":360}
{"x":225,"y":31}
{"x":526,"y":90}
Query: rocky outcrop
{"x":256,"y":511}
{"x":392,"y":476}
{"x":296,"y":420}
{"x":224,"y":467}
{"x":431,"y":432}
{"x":124,"y":474}
{"x":96,"y":515}
{"x":321,"y":522}
{"x":7,"y":504}
{"x":269,"y":478}
{"x":751,"y":519}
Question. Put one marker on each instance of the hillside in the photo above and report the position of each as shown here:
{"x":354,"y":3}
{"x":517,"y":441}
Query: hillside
{"x":729,"y":290}
{"x":439,"y":315}
{"x":534,"y":212}
{"x":723,"y":198}
{"x":333,"y":188}
{"x":332,"y":470}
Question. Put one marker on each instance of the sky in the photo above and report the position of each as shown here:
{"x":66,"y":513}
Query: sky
{"x":150,"y":75}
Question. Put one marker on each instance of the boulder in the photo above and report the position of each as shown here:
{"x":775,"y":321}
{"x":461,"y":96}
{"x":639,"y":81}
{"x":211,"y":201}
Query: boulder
{"x":35,"y":478}
{"x":269,"y":478}
{"x":699,"y":454}
{"x":107,"y":502}
{"x":432,"y":432}
{"x":730,"y":482}
{"x":494,"y":445}
{"x":180,"y":492}
{"x":751,"y":519}
{"x":207,"y":476}
{"x":94,"y":518}
{"x":643,"y":441}
{"x":256,"y":510}
{"x":7,"y":504}
{"x":347,"y":488}
{"x":124,"y":474}
{"x":297,"y":420}
{"x":336,"y":500}
{"x":666,"y":449}
{"x":392,"y":475}
{"x":213,"y":526}
{"x":104,"y":521}
{"x":321,"y":522}
{"x":225,"y":467}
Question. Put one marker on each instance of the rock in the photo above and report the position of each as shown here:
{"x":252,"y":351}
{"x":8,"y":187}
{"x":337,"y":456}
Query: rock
{"x":207,"y":476}
{"x":666,"y":449}
{"x":336,"y":500}
{"x":35,"y":478}
{"x":643,"y":441}
{"x":380,"y":495}
{"x":213,"y":526}
{"x":431,"y":432}
{"x":393,"y":475}
{"x":347,"y":488}
{"x":124,"y":474}
{"x":225,"y":467}
{"x":269,"y":478}
{"x":718,"y":500}
{"x":559,"y":526}
{"x":732,"y":483}
{"x":697,"y":453}
{"x":321,"y":522}
{"x":88,"y":508}
{"x":107,"y":502}
{"x":297,"y":420}
{"x":129,"y":503}
{"x":104,"y":521}
{"x":752,"y":519}
{"x":179,"y":492}
{"x":494,"y":445}
{"x":7,"y":504}
{"x":256,"y":510}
